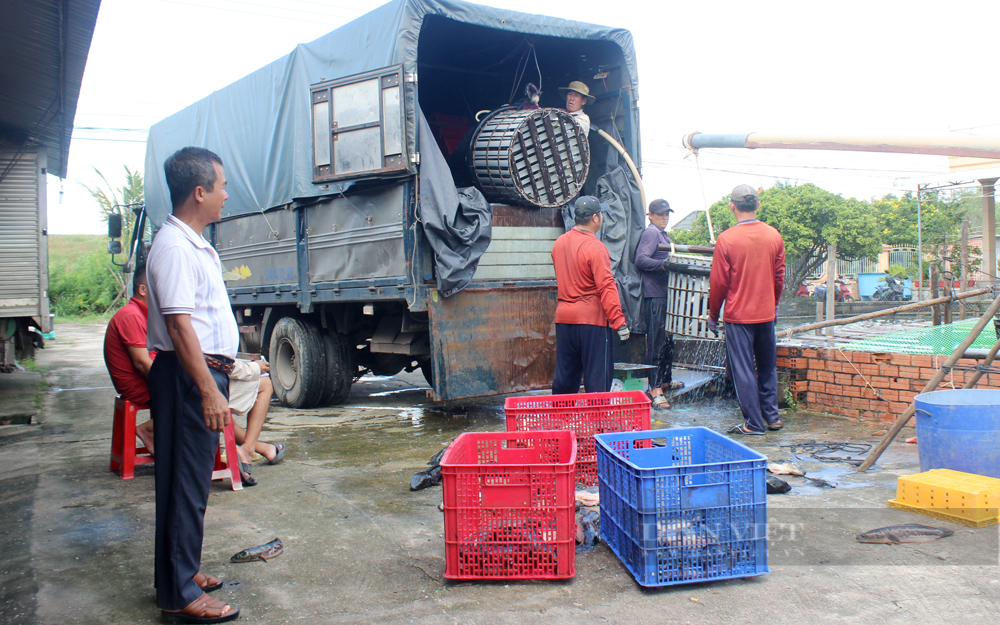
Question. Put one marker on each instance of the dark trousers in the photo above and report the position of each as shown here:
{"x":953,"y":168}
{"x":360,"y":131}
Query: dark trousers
{"x":185,"y":455}
{"x":750,"y":357}
{"x":659,"y":343}
{"x":583,"y":351}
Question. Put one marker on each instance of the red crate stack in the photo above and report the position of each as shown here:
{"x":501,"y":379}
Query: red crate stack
{"x":585,"y":414}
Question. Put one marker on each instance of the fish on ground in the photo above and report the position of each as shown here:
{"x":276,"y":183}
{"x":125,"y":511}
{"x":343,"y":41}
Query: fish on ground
{"x":430,"y":477}
{"x":778,"y":468}
{"x":260,"y":553}
{"x":821,"y":483}
{"x":908,"y":533}
{"x":777,"y":486}
{"x":426,"y":479}
{"x":587,"y":533}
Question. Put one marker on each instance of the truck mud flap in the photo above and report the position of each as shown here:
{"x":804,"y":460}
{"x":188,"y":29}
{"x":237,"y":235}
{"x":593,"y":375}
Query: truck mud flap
{"x":492,"y":341}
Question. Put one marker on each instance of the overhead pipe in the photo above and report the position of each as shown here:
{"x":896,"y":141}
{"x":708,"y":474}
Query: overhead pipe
{"x":951,"y":145}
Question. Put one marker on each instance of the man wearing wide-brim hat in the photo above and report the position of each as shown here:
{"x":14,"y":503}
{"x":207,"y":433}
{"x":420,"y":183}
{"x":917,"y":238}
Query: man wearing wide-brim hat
{"x":577,"y":96}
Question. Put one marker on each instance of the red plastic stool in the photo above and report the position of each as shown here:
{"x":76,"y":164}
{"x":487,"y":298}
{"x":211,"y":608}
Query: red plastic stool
{"x":126,"y":452}
{"x":228,"y":468}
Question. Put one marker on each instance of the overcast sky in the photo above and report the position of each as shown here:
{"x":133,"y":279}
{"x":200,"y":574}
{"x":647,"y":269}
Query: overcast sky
{"x":872,"y":67}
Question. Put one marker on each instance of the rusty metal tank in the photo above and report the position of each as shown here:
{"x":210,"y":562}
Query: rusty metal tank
{"x":537,"y":158}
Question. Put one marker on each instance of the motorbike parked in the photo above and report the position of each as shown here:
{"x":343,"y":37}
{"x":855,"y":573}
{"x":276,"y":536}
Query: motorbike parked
{"x":889,"y":289}
{"x":841,"y":294}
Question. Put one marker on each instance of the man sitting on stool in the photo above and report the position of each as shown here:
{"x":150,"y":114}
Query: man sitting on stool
{"x":128,"y":362}
{"x":125,"y":354}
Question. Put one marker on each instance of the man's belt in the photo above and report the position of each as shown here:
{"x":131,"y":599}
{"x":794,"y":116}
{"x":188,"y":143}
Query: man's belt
{"x":218,"y":365}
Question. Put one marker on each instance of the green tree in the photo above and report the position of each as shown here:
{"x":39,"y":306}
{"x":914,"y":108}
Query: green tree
{"x":809,"y":219}
{"x":940,"y":219}
{"x":108,"y":198}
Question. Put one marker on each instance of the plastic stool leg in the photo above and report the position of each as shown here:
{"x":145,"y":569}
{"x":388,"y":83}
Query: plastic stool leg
{"x":230,"y":468}
{"x":116,"y":434}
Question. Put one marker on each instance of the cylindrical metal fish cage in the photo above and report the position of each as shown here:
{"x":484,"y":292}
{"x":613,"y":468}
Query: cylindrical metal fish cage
{"x":687,"y":296}
{"x":534,"y":157}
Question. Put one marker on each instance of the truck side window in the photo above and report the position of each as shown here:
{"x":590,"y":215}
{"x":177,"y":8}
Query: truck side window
{"x":358,"y":125}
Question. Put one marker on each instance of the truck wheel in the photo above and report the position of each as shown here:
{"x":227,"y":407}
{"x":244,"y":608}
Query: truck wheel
{"x":339,"y":369}
{"x":298,"y":363}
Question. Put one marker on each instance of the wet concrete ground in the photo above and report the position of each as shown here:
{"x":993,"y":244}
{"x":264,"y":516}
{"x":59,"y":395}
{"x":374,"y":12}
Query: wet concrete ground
{"x":360,"y":547}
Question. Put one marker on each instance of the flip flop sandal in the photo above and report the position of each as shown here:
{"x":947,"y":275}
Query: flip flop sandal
{"x":196,"y":612}
{"x":776,"y":425}
{"x":661,"y":402}
{"x":743,"y":429}
{"x":209,"y":586}
{"x":245,"y":477}
{"x":676,"y":385}
{"x":279,"y":453}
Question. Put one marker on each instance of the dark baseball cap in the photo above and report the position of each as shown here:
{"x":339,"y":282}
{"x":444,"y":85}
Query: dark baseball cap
{"x":660,"y":207}
{"x":744,"y":193}
{"x":587,"y":206}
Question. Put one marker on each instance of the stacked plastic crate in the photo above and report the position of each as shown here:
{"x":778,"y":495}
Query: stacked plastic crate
{"x":683,"y":505}
{"x":509,"y":505}
{"x":585,"y":414}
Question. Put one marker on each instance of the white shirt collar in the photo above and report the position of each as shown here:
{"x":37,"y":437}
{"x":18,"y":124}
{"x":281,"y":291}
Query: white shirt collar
{"x":195,"y":238}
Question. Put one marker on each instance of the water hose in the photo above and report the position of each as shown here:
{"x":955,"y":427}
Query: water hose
{"x":631,"y":165}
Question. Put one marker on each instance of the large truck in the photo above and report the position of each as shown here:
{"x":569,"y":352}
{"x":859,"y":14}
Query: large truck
{"x":24,"y":256}
{"x":393,"y":206}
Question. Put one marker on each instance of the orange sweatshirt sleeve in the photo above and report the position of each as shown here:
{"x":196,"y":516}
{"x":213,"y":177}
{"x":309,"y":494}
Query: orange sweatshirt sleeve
{"x":600,"y":266}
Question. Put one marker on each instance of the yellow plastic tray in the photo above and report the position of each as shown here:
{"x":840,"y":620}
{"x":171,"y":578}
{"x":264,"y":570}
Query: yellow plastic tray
{"x":972,"y":500}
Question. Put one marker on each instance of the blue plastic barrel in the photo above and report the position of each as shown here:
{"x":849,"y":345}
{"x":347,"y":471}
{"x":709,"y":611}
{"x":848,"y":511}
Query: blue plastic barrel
{"x":959,"y":430}
{"x":867,"y":283}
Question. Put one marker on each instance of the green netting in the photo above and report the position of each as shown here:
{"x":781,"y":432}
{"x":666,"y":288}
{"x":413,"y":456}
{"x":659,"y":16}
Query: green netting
{"x":941,"y":340}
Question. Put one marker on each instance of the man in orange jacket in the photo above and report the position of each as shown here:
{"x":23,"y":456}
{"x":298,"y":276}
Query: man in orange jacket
{"x":748,"y":273}
{"x":588,"y":305}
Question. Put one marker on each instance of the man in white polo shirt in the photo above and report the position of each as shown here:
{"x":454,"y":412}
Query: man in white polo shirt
{"x":191,"y":326}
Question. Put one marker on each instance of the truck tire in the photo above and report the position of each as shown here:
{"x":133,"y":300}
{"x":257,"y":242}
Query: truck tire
{"x":298,"y":363}
{"x":339,"y":369}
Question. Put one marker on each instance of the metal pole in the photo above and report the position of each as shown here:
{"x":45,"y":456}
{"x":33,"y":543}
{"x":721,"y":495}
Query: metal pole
{"x":989,"y":266}
{"x":920,"y":250}
{"x":965,"y":269}
{"x":831,"y":273}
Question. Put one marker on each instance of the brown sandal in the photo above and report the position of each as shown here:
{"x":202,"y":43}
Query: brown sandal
{"x":207,"y":583}
{"x":204,"y":609}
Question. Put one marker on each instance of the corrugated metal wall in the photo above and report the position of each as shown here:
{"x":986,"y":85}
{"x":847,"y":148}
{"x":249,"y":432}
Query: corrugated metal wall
{"x":20,"y":276}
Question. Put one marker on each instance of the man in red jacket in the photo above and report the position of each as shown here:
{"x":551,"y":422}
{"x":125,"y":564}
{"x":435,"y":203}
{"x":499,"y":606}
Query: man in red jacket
{"x":748,"y":273}
{"x":588,"y":305}
{"x":125,"y":354}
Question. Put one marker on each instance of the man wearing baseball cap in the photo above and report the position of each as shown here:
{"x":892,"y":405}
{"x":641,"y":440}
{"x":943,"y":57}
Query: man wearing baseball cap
{"x":588,"y":306}
{"x":577,"y":95}
{"x":649,"y":261}
{"x":748,"y":273}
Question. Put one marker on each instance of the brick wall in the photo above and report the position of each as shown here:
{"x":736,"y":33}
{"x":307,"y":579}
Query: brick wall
{"x":865,"y":385}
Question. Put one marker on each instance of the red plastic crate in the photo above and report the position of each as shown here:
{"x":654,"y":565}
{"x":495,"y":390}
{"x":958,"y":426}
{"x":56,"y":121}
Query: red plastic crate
{"x":586,"y":414}
{"x":510,"y":505}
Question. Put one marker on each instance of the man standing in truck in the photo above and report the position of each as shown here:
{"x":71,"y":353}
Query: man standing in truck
{"x":748,"y":273}
{"x":588,"y":305}
{"x":192,"y":328}
{"x":577,"y":96}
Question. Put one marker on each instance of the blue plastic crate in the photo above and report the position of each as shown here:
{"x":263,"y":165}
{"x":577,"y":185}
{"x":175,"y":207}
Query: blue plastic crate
{"x":683,"y":505}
